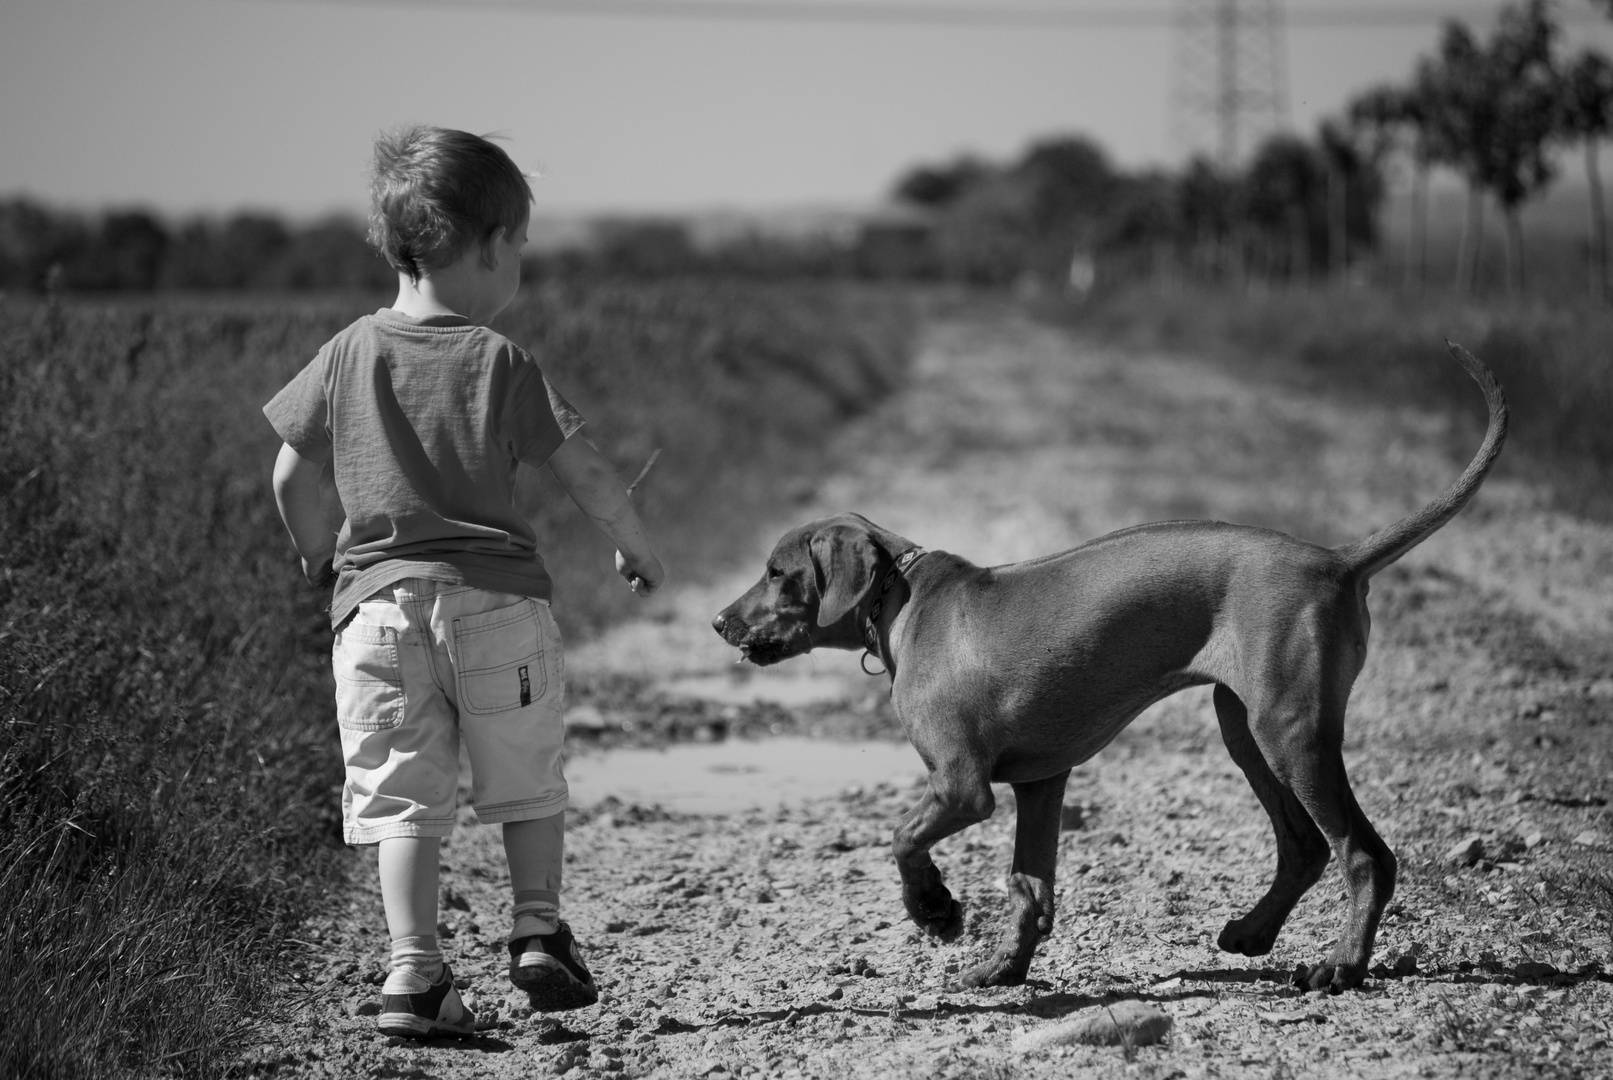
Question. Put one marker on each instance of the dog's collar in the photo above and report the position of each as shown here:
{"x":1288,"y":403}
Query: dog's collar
{"x":871,"y":626}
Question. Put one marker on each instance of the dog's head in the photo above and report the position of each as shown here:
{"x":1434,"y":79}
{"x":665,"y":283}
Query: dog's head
{"x":811,"y":592}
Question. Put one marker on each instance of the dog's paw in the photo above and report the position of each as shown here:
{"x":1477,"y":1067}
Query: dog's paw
{"x":944,"y":921}
{"x":1329,"y":977}
{"x":998,"y":971}
{"x":931,"y":905}
{"x":1245,"y":939}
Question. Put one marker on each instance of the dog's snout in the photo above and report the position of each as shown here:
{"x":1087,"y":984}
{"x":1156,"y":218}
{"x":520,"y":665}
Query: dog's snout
{"x":731,"y":626}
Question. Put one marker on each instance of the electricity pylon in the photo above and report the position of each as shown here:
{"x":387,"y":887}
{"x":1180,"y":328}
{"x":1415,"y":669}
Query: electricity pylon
{"x":1231,"y":75}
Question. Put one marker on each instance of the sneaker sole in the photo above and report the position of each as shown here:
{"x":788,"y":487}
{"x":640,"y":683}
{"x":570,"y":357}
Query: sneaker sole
{"x":550,"y":987}
{"x":410,"y":1026}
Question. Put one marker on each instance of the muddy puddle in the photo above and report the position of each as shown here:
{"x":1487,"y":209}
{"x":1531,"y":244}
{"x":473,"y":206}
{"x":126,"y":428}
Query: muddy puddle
{"x":738,"y":774}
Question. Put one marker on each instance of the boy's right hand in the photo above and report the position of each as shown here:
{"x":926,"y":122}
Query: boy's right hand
{"x":320,"y":574}
{"x":644,"y":576}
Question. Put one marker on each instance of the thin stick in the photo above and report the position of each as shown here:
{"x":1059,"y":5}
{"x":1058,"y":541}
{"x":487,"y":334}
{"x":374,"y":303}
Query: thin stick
{"x":635,"y":581}
{"x":642,"y":473}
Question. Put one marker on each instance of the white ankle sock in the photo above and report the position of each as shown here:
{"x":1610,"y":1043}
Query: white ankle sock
{"x":418,"y":957}
{"x":537,"y":911}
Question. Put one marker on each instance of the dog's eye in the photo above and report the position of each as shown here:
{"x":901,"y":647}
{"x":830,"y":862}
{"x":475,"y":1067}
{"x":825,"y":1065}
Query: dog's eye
{"x":774,"y":573}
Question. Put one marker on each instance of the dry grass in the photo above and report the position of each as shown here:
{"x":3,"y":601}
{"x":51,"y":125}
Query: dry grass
{"x":167,"y":766}
{"x":1549,"y":353}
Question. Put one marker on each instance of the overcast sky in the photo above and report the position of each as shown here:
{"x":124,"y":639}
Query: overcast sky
{"x":217,"y":105}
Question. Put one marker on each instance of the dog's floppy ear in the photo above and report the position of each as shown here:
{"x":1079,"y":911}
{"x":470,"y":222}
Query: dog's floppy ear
{"x":845,"y":558}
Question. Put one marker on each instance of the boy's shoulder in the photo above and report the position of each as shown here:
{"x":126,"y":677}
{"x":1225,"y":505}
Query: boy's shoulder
{"x":356,"y":332}
{"x":448,"y":330}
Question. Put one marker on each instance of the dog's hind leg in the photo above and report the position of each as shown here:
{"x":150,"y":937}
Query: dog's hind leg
{"x":1367,"y":864}
{"x":1302,"y":850}
{"x":1030,"y":883}
{"x":1304,"y":746}
{"x":958,"y":796}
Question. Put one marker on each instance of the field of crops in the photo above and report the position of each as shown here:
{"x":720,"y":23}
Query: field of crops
{"x":167,"y":764}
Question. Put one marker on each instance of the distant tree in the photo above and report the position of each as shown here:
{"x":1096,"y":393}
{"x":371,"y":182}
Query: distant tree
{"x":1143,"y":225}
{"x":1587,"y":117}
{"x":1146,"y":211}
{"x":250,"y":245}
{"x":1396,"y":120}
{"x":942,"y":185}
{"x":1069,"y":186}
{"x":1353,"y":159}
{"x":1283,"y":187}
{"x":243,"y":252}
{"x":987,"y":237}
{"x":1207,"y":207}
{"x":644,"y":247}
{"x":1072,"y":175}
{"x":330,"y":254}
{"x":32,"y":240}
{"x":1530,"y":90}
{"x":1494,"y":111}
{"x":1453,"y":91}
{"x":135,"y":242}
{"x":191,"y":256}
{"x":124,"y":250}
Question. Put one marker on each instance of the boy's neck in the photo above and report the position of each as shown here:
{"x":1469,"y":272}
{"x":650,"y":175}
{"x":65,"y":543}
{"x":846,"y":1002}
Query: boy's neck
{"x":460,"y":288}
{"x":426,"y":299}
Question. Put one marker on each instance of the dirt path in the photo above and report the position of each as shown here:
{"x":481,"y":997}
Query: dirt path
{"x":772,"y":943}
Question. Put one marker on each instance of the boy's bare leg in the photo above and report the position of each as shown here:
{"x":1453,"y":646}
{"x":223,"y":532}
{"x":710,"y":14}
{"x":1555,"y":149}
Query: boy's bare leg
{"x":544,"y":958}
{"x":408,"y":867}
{"x":536,"y":850}
{"x":418,"y":999}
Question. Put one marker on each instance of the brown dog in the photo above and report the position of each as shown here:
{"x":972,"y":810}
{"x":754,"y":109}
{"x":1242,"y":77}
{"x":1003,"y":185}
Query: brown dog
{"x":1018,"y":673}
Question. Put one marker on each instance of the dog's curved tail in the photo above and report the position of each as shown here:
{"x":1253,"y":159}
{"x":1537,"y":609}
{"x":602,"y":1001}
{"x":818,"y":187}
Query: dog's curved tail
{"x":1366,"y":557}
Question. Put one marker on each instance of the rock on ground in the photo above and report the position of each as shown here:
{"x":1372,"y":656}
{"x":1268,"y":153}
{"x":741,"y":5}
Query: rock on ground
{"x":1123,"y":1023}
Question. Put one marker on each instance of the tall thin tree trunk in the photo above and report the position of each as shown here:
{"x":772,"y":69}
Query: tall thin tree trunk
{"x":1467,"y":256}
{"x":1416,"y":269}
{"x":1593,"y":178}
{"x":1338,"y":231}
{"x":1299,"y":244}
{"x":1514,"y":249}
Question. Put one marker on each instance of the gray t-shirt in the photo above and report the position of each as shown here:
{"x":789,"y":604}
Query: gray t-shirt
{"x":426,"y":421}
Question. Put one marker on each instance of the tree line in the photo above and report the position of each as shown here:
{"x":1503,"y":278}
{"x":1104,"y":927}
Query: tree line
{"x":134,"y":249}
{"x":1496,"y":110}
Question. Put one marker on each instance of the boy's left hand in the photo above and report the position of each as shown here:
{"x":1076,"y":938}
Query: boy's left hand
{"x":301,"y":492}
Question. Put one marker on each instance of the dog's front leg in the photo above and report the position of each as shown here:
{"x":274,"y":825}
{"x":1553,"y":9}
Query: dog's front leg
{"x":1030,"y":884}
{"x":953,"y":801}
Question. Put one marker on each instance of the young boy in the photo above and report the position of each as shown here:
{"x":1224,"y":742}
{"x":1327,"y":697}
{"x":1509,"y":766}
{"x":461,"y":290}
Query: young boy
{"x":419,"y":414}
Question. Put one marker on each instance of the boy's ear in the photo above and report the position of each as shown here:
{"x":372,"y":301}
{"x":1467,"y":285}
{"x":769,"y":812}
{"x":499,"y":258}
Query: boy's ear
{"x":489,"y":247}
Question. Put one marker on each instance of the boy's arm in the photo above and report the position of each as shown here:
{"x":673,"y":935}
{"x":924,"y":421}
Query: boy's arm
{"x":297,"y":494}
{"x":596,"y":489}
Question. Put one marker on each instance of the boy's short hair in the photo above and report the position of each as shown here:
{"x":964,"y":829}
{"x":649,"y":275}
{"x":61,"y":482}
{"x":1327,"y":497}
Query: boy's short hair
{"x":435,"y":191}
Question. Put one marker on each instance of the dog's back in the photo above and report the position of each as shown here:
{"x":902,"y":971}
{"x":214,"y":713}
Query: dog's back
{"x":1173,"y":592}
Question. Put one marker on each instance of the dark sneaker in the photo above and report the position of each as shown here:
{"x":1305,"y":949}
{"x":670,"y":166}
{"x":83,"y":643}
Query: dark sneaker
{"x":550,"y":969}
{"x":416,"y":1009}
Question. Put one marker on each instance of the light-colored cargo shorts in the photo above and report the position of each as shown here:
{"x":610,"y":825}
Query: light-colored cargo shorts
{"x":419,"y":666}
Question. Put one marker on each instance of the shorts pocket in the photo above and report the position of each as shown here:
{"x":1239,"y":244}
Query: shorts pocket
{"x":369,"y":684}
{"x":498,"y":660}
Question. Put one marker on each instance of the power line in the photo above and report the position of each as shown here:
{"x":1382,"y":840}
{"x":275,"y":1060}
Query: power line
{"x":1323,"y":16}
